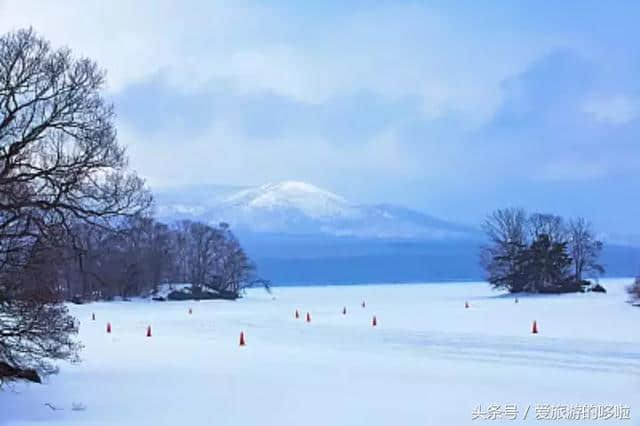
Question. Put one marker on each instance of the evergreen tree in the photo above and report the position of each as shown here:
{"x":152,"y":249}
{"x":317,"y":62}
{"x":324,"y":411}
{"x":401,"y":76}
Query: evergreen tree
{"x":546,"y":266}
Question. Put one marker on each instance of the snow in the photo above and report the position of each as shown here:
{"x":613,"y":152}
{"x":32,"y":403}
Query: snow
{"x":164,"y":289}
{"x":429,"y":361}
{"x":309,"y":199}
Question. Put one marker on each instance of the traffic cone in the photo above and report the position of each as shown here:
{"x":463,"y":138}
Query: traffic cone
{"x":344,"y":311}
{"x":93,"y":316}
{"x":308,"y":317}
{"x":148,"y":331}
{"x":242,"y":342}
{"x":108,"y":327}
{"x":534,"y":328}
{"x":374,"y":321}
{"x":297,"y":314}
{"x":466,"y":305}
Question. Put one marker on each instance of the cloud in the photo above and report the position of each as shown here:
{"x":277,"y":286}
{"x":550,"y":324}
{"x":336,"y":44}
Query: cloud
{"x":393,"y":51}
{"x":613,"y":109}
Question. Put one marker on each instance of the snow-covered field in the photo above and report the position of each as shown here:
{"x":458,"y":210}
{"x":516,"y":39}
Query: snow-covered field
{"x":429,"y":361}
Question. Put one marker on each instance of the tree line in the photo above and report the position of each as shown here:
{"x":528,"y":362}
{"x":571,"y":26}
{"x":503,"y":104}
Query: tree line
{"x":75,"y":221}
{"x":539,"y":253}
{"x":137,"y":256}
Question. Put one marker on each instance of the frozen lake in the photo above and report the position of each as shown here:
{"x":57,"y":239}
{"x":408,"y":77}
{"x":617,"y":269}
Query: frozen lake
{"x":429,"y":360}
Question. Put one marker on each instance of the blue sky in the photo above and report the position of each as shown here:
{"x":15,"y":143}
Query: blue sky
{"x":454,"y":108}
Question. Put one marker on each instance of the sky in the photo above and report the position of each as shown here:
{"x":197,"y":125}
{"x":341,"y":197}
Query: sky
{"x":452,"y":108}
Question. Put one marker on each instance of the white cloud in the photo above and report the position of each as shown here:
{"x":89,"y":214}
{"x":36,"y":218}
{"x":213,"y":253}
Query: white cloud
{"x":404,"y":51}
{"x":614,"y":109}
{"x":223,"y":151}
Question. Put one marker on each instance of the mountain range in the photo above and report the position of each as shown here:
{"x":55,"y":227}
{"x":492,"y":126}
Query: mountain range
{"x":298,"y":233}
{"x":293,"y":207}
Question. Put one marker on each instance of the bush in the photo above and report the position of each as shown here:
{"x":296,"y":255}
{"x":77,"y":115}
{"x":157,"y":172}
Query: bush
{"x":634,"y":291}
{"x":568,"y":285}
{"x":597,"y":288}
{"x":77,"y":300}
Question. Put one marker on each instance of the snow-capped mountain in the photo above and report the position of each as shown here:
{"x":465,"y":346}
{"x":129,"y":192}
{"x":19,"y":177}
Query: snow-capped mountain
{"x":293,"y":207}
{"x":311,"y":201}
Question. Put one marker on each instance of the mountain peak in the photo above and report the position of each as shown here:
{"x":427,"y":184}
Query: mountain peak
{"x":313,"y":201}
{"x":296,"y":185}
{"x":295,"y":207}
{"x":299,"y":187}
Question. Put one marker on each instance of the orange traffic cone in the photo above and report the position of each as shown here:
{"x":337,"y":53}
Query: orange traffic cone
{"x":308,"y":317}
{"x":534,"y":328}
{"x":466,"y":305}
{"x":108,"y":327}
{"x":344,"y":311}
{"x":242,"y":342}
{"x":148,"y":331}
{"x":297,"y":314}
{"x":93,"y":316}
{"x":374,"y":321}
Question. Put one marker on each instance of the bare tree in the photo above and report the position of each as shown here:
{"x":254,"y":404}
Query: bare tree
{"x":506,"y":225}
{"x":235,"y":269}
{"x":60,"y":164}
{"x":130,"y":259}
{"x":203,"y":248}
{"x":507,"y":233}
{"x":212,"y":258}
{"x":547,"y":224}
{"x":584,"y":248}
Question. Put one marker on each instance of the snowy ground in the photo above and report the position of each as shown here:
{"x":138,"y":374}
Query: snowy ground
{"x":429,"y":361}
